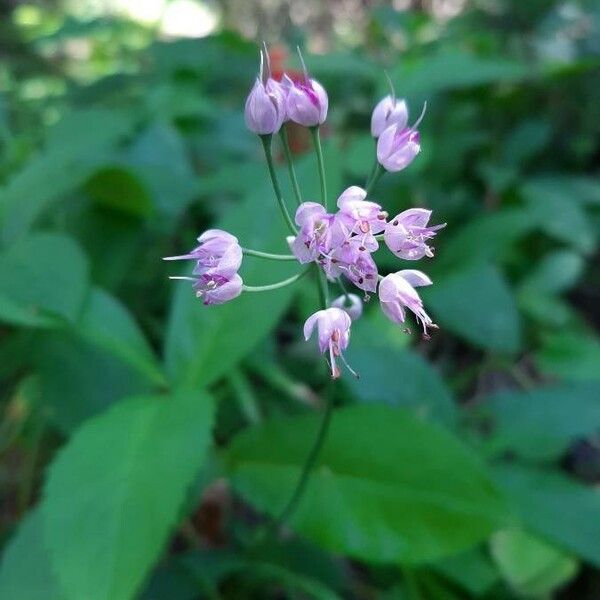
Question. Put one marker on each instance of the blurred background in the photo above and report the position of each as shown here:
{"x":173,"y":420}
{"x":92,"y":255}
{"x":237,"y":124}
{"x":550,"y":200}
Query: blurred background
{"x":141,"y":440}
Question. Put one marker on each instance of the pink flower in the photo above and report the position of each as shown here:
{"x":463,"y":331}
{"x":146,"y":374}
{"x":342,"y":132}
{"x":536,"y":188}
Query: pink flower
{"x":218,"y":259}
{"x":313,"y":238}
{"x":350,"y":303}
{"x":397,"y":292}
{"x":360,"y":217}
{"x":354,"y":261}
{"x":215,"y":289}
{"x":265,"y":107}
{"x":333,"y":326}
{"x":306,"y":101}
{"x":218,"y":253}
{"x":407,"y":233}
{"x":389,"y":111}
{"x":397,"y":148}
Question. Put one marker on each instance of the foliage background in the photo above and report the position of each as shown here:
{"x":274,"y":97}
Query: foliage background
{"x":144,"y":438}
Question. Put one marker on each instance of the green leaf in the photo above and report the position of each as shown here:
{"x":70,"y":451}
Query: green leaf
{"x":107,"y":324}
{"x":531,"y":566}
{"x":556,"y":272}
{"x":114,"y":492}
{"x":397,"y":376}
{"x":119,"y":189}
{"x":26,"y":572}
{"x":74,"y":147}
{"x":204,"y":342}
{"x":540,"y":424}
{"x":555,"y":507}
{"x":570,"y":355}
{"x":472,"y":570}
{"x":477,"y":305}
{"x":386,"y":487}
{"x":43,"y":276}
{"x":500,"y":231}
{"x":450,"y":69}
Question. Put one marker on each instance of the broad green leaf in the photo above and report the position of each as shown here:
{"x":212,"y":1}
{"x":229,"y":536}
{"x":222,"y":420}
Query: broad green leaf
{"x":119,"y":189}
{"x":545,"y":203}
{"x":556,"y":272}
{"x":531,"y":566}
{"x":472,"y":570}
{"x":106,"y":323}
{"x":385,"y":488}
{"x":114,"y":493}
{"x":477,"y":305}
{"x":540,"y":424}
{"x":570,"y":355}
{"x":396,"y":376}
{"x":555,"y":507}
{"x":43,"y":278}
{"x":451,"y":69}
{"x":483,"y":239}
{"x":25,"y":571}
{"x":204,"y":342}
{"x":75,"y":146}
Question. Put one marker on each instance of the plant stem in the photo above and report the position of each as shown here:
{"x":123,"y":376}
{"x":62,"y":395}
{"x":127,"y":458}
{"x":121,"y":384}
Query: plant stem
{"x":310,"y":460}
{"x":266,"y":142}
{"x":317,"y":143}
{"x":378,"y":173}
{"x":290,"y":163}
{"x":322,"y":287}
{"x":268,"y":255}
{"x":274,"y":286}
{"x":246,"y":398}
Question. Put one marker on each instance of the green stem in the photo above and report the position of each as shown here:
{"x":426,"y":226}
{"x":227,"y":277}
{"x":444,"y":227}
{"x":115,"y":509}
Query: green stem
{"x":274,"y":286}
{"x":317,"y":143}
{"x":374,"y":167}
{"x":322,"y":287}
{"x":266,"y":142}
{"x":378,"y":173}
{"x":310,"y":460}
{"x":290,"y":163}
{"x":268,"y":255}
{"x":246,"y":398}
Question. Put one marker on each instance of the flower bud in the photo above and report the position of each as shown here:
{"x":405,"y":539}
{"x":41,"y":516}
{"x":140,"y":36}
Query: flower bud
{"x":265,"y":107}
{"x":389,"y":111}
{"x":397,"y":148}
{"x":306,"y":101}
{"x":350,"y":303}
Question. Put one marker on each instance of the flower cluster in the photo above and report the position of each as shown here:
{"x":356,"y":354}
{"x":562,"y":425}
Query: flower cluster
{"x":338,"y":244}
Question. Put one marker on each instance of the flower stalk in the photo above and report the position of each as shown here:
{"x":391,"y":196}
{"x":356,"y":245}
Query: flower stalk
{"x":275,"y":286}
{"x":266,"y":142}
{"x":268,"y":255}
{"x":290,"y":163}
{"x":314,"y":131}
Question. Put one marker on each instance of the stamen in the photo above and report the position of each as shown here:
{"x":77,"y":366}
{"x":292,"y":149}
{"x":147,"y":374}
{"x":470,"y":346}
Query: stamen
{"x":183,"y":278}
{"x":267,"y":59}
{"x":304,"y":69}
{"x":349,"y":367}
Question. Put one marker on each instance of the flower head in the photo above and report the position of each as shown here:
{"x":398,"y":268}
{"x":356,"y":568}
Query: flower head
{"x":306,"y":99}
{"x":353,"y":260}
{"x":407,"y":233}
{"x":350,"y":303}
{"x":333,"y":325}
{"x":397,"y":292}
{"x":389,"y":111}
{"x":215,"y":289}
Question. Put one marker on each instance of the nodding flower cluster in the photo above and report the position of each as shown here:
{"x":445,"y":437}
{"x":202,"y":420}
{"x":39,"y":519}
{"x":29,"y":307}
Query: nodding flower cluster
{"x":337,"y":245}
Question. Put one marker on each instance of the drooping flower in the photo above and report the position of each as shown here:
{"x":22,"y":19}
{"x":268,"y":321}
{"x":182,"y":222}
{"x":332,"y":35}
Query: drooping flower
{"x":406,"y":235}
{"x":397,"y":292}
{"x":219,"y":253}
{"x":397,"y":148}
{"x":350,"y":303}
{"x":354,"y":261}
{"x":333,"y":325}
{"x":359,"y":216}
{"x":265,"y":107}
{"x":215,"y":289}
{"x":218,"y":259}
{"x":313,"y":237}
{"x":306,"y":100}
{"x":389,"y":111}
